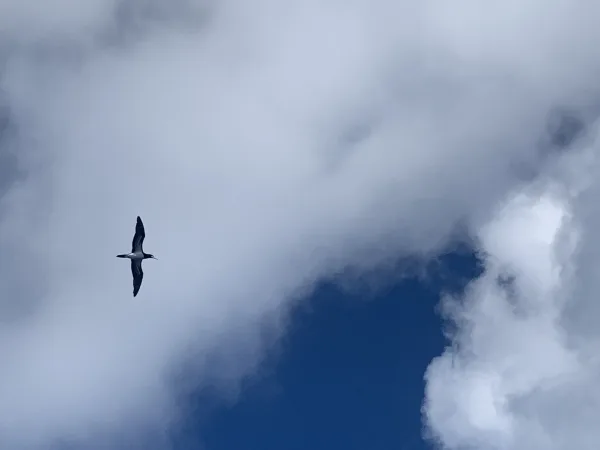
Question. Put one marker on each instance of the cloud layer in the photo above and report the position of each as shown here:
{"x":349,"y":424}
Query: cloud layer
{"x":265,"y":145}
{"x":522,"y":369}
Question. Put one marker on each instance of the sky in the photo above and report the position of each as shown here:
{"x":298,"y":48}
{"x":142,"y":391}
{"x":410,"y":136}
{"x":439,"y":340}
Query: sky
{"x":348,"y":374}
{"x":269,"y":146}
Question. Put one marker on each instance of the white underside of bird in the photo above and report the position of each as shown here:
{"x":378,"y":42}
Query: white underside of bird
{"x":135,"y":255}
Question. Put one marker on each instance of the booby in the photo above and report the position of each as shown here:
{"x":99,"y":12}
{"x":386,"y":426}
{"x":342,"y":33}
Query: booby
{"x":137,"y":255}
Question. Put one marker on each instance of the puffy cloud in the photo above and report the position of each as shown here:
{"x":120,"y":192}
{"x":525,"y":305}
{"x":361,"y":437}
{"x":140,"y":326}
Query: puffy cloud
{"x":265,"y":145}
{"x":522,"y":368}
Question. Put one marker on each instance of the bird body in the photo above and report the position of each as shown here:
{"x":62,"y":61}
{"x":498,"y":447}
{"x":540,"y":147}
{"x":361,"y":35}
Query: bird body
{"x":137,"y":255}
{"x":132,"y":255}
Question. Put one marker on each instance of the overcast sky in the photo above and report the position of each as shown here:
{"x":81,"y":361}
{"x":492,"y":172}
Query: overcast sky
{"x":267,"y":144}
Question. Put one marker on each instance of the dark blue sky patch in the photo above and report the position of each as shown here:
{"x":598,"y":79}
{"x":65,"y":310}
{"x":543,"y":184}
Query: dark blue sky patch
{"x":348,"y":374}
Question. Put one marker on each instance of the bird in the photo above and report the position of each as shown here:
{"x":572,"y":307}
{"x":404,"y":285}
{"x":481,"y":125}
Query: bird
{"x":137,"y":255}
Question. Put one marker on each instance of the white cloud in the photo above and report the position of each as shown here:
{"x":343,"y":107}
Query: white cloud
{"x":522,"y":369}
{"x":265,"y":144}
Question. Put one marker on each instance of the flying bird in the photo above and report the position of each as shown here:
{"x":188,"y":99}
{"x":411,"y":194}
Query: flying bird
{"x":137,"y":255}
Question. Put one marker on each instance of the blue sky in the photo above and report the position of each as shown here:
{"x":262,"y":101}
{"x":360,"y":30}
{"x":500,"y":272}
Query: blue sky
{"x":347,"y":374}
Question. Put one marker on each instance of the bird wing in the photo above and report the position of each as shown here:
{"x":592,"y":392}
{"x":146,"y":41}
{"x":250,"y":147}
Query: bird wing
{"x":138,"y":237}
{"x":138,"y":275}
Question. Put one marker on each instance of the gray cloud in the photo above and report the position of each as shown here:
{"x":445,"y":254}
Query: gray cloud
{"x":265,"y":145}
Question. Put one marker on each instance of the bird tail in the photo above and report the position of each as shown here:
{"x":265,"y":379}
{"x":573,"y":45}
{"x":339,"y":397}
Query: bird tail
{"x":124,"y":255}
